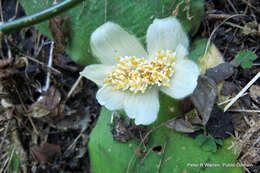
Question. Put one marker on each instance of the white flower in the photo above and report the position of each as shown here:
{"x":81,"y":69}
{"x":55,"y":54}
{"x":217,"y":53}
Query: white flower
{"x":130,"y":78}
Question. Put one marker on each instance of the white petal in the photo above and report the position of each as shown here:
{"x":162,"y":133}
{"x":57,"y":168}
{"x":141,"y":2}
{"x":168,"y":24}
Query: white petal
{"x":181,"y":52}
{"x":143,"y":107}
{"x":165,"y":34}
{"x":112,"y":100}
{"x":109,"y":41}
{"x":96,"y":73}
{"x":184,"y":79}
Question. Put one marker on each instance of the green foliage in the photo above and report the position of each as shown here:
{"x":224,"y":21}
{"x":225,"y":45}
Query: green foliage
{"x":135,"y":16}
{"x":198,"y":48}
{"x":219,"y":142}
{"x":208,"y":143}
{"x":246,"y":58}
{"x":200,"y":139}
{"x":14,"y":161}
{"x":180,"y":151}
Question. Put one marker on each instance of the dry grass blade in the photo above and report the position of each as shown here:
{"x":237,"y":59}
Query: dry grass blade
{"x":242,"y":92}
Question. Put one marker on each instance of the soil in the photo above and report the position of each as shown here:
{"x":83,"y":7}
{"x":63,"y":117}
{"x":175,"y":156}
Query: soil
{"x":58,"y":142}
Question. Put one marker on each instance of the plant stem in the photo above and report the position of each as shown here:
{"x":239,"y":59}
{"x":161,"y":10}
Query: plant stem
{"x":37,"y":17}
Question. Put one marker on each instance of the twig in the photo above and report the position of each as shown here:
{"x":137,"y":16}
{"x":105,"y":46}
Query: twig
{"x":44,"y":65}
{"x":9,"y":160}
{"x":234,"y":25}
{"x":4,"y":165}
{"x":47,"y":83}
{"x":244,"y":110}
{"x":256,"y":64}
{"x":5,"y":134}
{"x":228,"y":100}
{"x":217,"y":16}
{"x":82,"y":8}
{"x":16,"y":11}
{"x":9,"y":53}
{"x":211,"y":35}
{"x":146,"y":154}
{"x":37,"y":17}
{"x":162,"y":154}
{"x":250,"y":5}
{"x":142,"y":142}
{"x":232,"y":6}
{"x":241,"y":92}
{"x":33,"y":125}
{"x":73,"y":143}
{"x":74,"y":87}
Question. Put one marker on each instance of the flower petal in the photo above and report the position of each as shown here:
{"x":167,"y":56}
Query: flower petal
{"x":184,"y":79}
{"x":181,"y":52}
{"x":143,"y":107}
{"x":109,"y":41}
{"x":112,"y":100}
{"x":165,"y":34}
{"x":96,"y":73}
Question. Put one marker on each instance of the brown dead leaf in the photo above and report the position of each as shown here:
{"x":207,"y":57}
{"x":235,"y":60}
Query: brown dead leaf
{"x":250,"y":28}
{"x":204,"y":97}
{"x":46,"y":104}
{"x":45,"y":153}
{"x":180,"y":125}
{"x":220,"y":72}
{"x":254,"y":93}
{"x":123,"y":130}
{"x":60,"y":32}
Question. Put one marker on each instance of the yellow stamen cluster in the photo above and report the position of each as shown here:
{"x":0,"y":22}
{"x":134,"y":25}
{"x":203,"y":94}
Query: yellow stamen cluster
{"x":136,"y":74}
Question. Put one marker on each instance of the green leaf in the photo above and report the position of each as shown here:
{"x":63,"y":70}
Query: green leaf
{"x":198,"y":48}
{"x":210,"y":144}
{"x":219,"y":141}
{"x":245,"y":57}
{"x":135,"y":16}
{"x":247,"y":64}
{"x":181,"y":151}
{"x":200,"y":139}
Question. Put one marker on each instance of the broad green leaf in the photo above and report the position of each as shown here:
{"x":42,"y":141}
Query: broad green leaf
{"x":210,"y":144}
{"x":200,"y":139}
{"x":135,"y":16}
{"x":180,"y":152}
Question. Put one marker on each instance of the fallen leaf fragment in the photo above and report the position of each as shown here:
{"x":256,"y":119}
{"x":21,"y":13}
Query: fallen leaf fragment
{"x":46,"y":104}
{"x":204,"y":97}
{"x":254,"y":93}
{"x":220,"y":123}
{"x":46,"y":152}
{"x":180,"y":125}
{"x":221,"y":72}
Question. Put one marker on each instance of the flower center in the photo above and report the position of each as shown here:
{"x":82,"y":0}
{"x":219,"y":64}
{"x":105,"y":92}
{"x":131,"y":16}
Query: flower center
{"x":138,"y":74}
